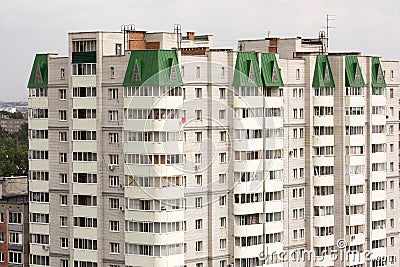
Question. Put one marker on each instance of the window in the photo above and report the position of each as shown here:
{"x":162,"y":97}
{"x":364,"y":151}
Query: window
{"x":297,"y":74}
{"x":222,"y":222}
{"x":294,"y":92}
{"x":294,"y":214}
{"x":112,"y":72}
{"x":198,"y":202}
{"x":223,"y":263}
{"x":198,"y":114}
{"x":64,"y":263}
{"x":114,"y":181}
{"x":222,"y":93}
{"x":62,"y":94}
{"x":300,"y":92}
{"x":62,"y":115}
{"x":84,"y":113}
{"x":63,"y":178}
{"x":62,"y":73}
{"x":84,"y":92}
{"x":301,"y":113}
{"x":301,"y":133}
{"x":114,"y":159}
{"x":14,"y":257}
{"x":197,"y":72}
{"x":222,"y":200}
{"x":64,"y":242}
{"x":199,"y":246}
{"x":84,"y":69}
{"x":183,"y":71}
{"x":295,"y":113}
{"x":197,"y":158}
{"x":114,"y":226}
{"x":63,"y":136}
{"x":221,"y":114}
{"x":113,"y":115}
{"x":112,"y":93}
{"x":15,"y":238}
{"x":63,"y":200}
{"x":114,"y":203}
{"x":15,"y":217}
{"x":222,"y":157}
{"x":199,"y":136}
{"x":63,"y":221}
{"x":222,"y":178}
{"x":198,"y":92}
{"x":199,"y":180}
{"x":114,"y":248}
{"x":222,"y":136}
{"x":113,"y":137}
{"x":1,"y":217}
{"x":118,"y":49}
{"x":198,"y":224}
{"x":222,"y":244}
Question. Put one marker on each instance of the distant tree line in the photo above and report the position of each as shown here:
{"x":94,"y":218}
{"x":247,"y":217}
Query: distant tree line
{"x":14,"y":152}
{"x":15,"y":115}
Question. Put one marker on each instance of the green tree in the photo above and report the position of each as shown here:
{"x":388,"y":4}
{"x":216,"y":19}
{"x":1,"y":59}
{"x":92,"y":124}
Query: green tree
{"x":14,"y":152}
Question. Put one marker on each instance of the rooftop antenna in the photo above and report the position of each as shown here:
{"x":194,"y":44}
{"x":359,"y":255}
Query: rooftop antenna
{"x":321,"y":37}
{"x":328,"y":18}
{"x":178,"y":32}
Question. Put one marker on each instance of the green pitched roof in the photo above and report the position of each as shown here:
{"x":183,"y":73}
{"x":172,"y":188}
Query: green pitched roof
{"x":354,"y":76}
{"x":39,"y":72}
{"x":322,"y":73}
{"x":270,"y":71}
{"x":153,"y":68}
{"x":247,"y":70}
{"x":378,"y":79}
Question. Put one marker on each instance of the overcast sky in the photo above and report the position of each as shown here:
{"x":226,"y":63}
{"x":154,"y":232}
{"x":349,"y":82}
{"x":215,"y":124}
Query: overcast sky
{"x":28,"y":27}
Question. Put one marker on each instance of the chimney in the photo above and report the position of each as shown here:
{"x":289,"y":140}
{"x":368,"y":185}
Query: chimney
{"x":137,"y":40}
{"x":190,"y":35}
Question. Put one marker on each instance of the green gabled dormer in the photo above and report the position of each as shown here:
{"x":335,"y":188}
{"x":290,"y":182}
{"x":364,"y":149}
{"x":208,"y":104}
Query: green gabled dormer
{"x":247,"y":70}
{"x":322,"y":73}
{"x":378,"y":79}
{"x":354,"y":76}
{"x":270,"y":71}
{"x":39,"y":72}
{"x":153,"y":68}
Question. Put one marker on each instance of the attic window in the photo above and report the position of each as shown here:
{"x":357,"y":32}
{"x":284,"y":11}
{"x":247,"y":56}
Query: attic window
{"x":274,"y":74}
{"x":379,"y":75}
{"x":357,"y":76}
{"x":136,"y":73}
{"x":38,"y":76}
{"x":251,"y":72}
{"x":172,"y":75}
{"x":327,"y":77}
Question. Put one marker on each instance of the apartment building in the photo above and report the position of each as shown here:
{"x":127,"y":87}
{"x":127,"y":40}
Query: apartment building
{"x":156,"y":149}
{"x":14,"y":221}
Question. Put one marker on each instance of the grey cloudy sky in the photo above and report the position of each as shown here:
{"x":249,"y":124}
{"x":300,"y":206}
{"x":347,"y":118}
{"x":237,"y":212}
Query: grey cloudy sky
{"x":28,"y":27}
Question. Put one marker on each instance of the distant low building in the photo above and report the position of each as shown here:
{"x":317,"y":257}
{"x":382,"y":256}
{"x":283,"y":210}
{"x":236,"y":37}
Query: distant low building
{"x":14,"y":221}
{"x":11,"y":125}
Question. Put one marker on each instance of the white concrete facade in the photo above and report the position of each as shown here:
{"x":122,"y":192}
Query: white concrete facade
{"x":222,"y":187}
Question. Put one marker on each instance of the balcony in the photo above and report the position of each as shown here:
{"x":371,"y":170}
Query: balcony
{"x":355,"y":199}
{"x":327,"y":120}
